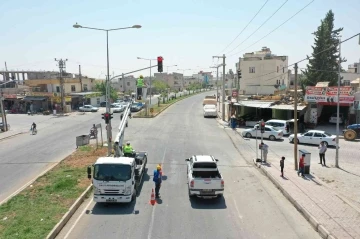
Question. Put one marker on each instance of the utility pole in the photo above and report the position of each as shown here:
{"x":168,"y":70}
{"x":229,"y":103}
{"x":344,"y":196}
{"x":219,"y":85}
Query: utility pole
{"x":295,"y":118}
{"x":62,"y":69}
{"x":217,"y":79}
{"x":223,"y":86}
{"x":3,"y":115}
{"x":81,"y":85}
{"x":338,"y":110}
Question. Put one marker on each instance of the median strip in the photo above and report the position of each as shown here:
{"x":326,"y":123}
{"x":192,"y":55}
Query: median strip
{"x":157,"y":109}
{"x":35,"y":211}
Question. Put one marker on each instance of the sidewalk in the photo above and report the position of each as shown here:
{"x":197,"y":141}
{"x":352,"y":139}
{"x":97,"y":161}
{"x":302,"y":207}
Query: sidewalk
{"x":331,"y":213}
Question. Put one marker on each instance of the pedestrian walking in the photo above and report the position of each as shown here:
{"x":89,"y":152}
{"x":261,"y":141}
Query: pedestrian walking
{"x":322,"y":151}
{"x":282,"y":162}
{"x":157,"y":180}
{"x":301,"y":165}
{"x":265,"y":150}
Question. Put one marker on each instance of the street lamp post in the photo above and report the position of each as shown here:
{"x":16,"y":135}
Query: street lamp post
{"x":109,"y":136}
{"x":167,"y":68}
{"x":140,"y":58}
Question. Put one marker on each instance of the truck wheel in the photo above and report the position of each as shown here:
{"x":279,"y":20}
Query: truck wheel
{"x":134,"y":195}
{"x":350,"y":135}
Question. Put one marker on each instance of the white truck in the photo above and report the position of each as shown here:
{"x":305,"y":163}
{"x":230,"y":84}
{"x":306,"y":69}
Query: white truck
{"x":117,"y":179}
{"x":204,"y":178}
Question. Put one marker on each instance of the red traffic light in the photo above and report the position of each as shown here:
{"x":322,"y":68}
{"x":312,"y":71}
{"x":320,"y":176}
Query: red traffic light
{"x":106,"y":115}
{"x":160,"y":59}
{"x":263,"y":124}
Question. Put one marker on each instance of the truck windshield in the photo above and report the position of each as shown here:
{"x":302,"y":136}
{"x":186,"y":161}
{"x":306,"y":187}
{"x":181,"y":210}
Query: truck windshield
{"x":112,"y":172}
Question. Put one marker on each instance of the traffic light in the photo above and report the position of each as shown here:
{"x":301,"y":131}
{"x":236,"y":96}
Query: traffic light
{"x":262,"y":126}
{"x":239,"y":74}
{"x":160,"y":63}
{"x":107,"y":117}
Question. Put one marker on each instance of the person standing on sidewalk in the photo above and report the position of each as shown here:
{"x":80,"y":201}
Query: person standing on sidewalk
{"x":322,"y":151}
{"x":282,"y":163}
{"x":265,"y":150}
{"x":301,"y":165}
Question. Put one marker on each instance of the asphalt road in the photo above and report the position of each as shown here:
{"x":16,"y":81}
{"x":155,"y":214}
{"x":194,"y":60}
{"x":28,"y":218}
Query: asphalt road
{"x":24,"y":157}
{"x":251,"y":207}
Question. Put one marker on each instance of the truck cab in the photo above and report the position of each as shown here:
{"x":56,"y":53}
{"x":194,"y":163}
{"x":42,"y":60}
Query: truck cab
{"x":204,"y":177}
{"x":117,"y":179}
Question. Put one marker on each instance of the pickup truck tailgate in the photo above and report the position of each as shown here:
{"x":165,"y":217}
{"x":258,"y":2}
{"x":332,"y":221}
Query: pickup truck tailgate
{"x":207,"y":183}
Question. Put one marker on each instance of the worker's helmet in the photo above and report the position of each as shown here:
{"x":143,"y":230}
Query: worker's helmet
{"x":141,"y":76}
{"x":158,"y":167}
{"x":128,"y":143}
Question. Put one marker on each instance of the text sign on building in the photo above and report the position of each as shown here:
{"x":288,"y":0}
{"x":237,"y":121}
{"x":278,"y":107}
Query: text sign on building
{"x":329,"y":94}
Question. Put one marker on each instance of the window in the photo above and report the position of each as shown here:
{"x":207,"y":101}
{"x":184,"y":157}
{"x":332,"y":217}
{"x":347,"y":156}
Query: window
{"x":267,"y":129}
{"x":308,"y":134}
{"x":346,"y":83}
{"x":98,"y":101}
{"x":252,"y":69}
{"x":58,"y":89}
{"x":277,"y":69}
{"x":85,"y":87}
{"x":318,"y":135}
{"x":128,"y":83}
{"x":73,"y":89}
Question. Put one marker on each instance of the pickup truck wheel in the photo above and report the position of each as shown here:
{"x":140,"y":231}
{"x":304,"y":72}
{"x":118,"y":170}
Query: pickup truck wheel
{"x":134,"y":195}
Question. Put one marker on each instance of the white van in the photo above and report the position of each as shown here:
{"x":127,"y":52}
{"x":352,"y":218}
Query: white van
{"x":282,"y":125}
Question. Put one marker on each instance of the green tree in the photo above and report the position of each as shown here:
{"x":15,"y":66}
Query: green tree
{"x":101,"y":87}
{"x":159,"y":86}
{"x":324,"y":63}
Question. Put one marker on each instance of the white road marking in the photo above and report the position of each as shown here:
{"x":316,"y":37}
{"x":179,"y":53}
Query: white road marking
{"x":78,"y":219}
{"x":153,"y":209}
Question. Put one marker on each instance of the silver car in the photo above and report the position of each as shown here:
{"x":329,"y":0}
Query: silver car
{"x":270,"y":133}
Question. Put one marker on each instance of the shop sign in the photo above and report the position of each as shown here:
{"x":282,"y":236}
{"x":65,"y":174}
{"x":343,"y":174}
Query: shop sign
{"x":329,"y":94}
{"x":47,"y":94}
{"x":10,"y":96}
{"x":57,"y":99}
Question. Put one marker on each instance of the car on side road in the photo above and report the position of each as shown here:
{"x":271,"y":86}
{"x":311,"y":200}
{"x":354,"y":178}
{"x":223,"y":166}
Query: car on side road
{"x":314,"y":137}
{"x":333,"y":118}
{"x":135,"y":107}
{"x":270,"y":133}
{"x":282,"y":125}
{"x":209,"y":111}
{"x":117,"y":108}
{"x":88,"y":108}
{"x":204,"y":177}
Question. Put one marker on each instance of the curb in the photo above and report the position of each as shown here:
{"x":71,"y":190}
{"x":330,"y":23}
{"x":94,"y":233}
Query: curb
{"x":324,"y":233}
{"x":57,"y":228}
{"x":12,"y":136}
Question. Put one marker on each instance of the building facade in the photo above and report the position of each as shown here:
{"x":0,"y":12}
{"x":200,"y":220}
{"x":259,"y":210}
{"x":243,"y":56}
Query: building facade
{"x":263,"y":73}
{"x":175,"y":81}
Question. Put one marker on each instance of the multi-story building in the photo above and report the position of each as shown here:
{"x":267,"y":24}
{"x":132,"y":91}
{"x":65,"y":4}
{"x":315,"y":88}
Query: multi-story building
{"x":175,"y":81}
{"x":263,"y":72}
{"x":354,"y":68}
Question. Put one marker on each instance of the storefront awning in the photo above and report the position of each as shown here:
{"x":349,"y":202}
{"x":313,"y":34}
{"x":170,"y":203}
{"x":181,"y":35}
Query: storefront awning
{"x":256,"y":104}
{"x":288,"y":107}
{"x":33,"y":98}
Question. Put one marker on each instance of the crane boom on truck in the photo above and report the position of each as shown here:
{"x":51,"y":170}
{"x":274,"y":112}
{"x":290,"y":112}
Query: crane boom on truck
{"x":117,"y":179}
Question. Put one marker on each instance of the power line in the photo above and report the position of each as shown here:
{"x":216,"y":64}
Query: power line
{"x":259,"y":27}
{"x":274,"y":29}
{"x":245,"y":26}
{"x":307,"y":58}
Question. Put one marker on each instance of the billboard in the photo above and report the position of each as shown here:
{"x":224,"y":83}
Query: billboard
{"x":329,"y":94}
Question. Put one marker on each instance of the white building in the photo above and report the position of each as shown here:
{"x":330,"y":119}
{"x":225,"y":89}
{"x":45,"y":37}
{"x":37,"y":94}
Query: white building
{"x":262,"y":72}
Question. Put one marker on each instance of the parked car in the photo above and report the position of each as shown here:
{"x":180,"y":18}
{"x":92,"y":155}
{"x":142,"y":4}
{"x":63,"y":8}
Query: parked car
{"x":209,"y":111}
{"x":270,"y":133}
{"x":314,"y":137}
{"x":103,"y":104}
{"x":333,"y":118}
{"x":88,"y":108}
{"x":282,"y":125}
{"x":2,"y":126}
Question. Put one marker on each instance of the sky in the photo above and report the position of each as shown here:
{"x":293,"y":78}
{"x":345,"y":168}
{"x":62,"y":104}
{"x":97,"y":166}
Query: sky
{"x":185,"y":33}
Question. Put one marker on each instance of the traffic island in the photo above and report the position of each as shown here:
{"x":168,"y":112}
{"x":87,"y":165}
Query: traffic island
{"x":35,"y":211}
{"x":163,"y":105}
